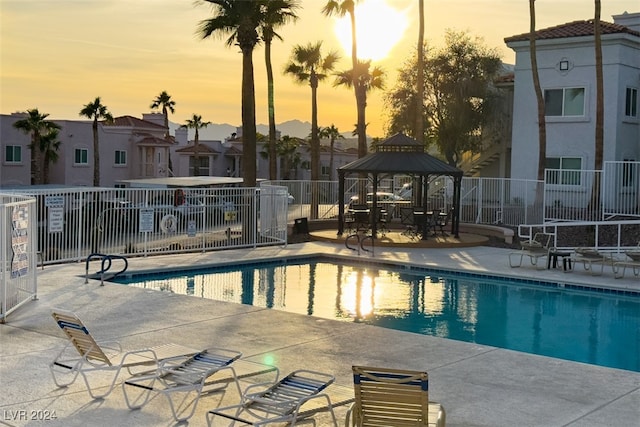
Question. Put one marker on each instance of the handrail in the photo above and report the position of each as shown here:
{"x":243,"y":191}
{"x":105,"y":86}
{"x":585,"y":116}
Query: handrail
{"x":108,"y":260}
{"x":361,"y":239}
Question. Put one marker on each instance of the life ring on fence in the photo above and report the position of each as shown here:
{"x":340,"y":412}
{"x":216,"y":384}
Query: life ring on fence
{"x":169,"y":224}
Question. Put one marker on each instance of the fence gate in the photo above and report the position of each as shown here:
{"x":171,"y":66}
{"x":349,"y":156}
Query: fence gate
{"x":18,"y":252}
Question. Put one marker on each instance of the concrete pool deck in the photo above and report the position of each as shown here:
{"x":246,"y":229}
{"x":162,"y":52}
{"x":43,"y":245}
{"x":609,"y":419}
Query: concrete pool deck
{"x":478,"y":385}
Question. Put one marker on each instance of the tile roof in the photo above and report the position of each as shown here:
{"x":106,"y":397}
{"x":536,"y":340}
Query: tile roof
{"x":200,"y":148}
{"x":152,"y":140}
{"x":134,"y":122}
{"x":573,"y":29}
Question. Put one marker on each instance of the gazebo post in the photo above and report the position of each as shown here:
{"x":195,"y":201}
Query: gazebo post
{"x":425,"y":205}
{"x":374,"y":210}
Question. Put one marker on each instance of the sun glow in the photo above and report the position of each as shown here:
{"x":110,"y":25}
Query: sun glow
{"x":379,"y":27}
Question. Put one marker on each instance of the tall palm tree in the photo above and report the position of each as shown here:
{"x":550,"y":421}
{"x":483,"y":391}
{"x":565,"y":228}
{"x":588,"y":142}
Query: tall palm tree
{"x":35,"y":124}
{"x":308,"y":65}
{"x":240,"y":20}
{"x":599,"y":137}
{"x":50,"y":147}
{"x":96,"y":111}
{"x":164,"y":100}
{"x":195,"y":122}
{"x":332,"y":133}
{"x":276,"y":14}
{"x":418,"y":132}
{"x":542,"y":128}
{"x":366,"y":78}
{"x":342,"y":8}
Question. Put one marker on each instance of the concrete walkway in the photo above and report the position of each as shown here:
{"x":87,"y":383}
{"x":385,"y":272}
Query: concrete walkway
{"x":478,"y":385}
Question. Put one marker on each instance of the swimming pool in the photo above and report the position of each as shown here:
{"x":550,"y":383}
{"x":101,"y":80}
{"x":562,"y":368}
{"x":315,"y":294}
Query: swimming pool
{"x":534,"y":317}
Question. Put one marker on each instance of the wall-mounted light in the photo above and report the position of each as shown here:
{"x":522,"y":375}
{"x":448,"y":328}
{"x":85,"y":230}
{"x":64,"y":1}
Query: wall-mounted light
{"x":564,"y":65}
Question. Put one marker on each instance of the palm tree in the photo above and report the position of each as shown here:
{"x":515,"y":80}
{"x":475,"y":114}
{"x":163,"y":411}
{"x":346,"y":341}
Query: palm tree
{"x":308,"y":65}
{"x":240,"y":20}
{"x":332,"y":133}
{"x":50,"y":146}
{"x":164,"y":100}
{"x":195,"y":122}
{"x":35,"y":124}
{"x":418,"y":132}
{"x":542,"y":129}
{"x":342,"y":8}
{"x":367,"y":80}
{"x":599,"y":148}
{"x":95,"y":111}
{"x":276,"y":14}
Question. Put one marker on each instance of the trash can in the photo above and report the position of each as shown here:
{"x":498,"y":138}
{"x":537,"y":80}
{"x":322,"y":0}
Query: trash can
{"x":300,"y":226}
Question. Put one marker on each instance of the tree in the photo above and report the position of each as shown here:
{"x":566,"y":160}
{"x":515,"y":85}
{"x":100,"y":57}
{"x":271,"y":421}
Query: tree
{"x":542,"y":126}
{"x":240,"y":20}
{"x":365,"y":78}
{"x":164,"y":100}
{"x":342,"y":8}
{"x":36,"y":124}
{"x":308,"y":65}
{"x":287,"y":152}
{"x":332,"y":133}
{"x":50,"y":145}
{"x":418,"y":132}
{"x":599,"y":137}
{"x":276,"y":14}
{"x":459,"y":94}
{"x":195,"y":122}
{"x":96,"y":111}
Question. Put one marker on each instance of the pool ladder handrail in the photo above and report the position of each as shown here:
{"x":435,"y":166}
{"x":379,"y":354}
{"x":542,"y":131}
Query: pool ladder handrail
{"x":108,"y":260}
{"x":361,"y":239}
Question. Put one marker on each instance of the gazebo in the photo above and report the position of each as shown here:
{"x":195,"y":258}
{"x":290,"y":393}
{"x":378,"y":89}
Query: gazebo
{"x":400,"y":154}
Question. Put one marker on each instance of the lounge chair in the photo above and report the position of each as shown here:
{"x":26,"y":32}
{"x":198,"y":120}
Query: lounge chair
{"x":297,"y":396}
{"x":536,"y":248}
{"x":393,"y":397}
{"x":633,"y":262}
{"x":85,"y":356}
{"x":591,"y":258}
{"x":179,"y":379}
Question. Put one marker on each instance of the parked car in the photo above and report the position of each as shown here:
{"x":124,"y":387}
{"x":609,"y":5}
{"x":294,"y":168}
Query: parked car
{"x":217,"y":206}
{"x":172,"y":213}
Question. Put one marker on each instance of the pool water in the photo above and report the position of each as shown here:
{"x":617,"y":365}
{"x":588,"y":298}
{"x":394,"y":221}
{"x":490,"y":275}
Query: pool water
{"x":583,"y":326}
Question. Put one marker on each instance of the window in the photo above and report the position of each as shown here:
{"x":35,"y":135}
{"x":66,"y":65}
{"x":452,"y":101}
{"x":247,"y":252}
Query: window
{"x":629,"y":172}
{"x":324,"y":170}
{"x":564,"y":102}
{"x":203,"y":166}
{"x":631,"y":102}
{"x":81,"y":156}
{"x":564,"y":170}
{"x":121,"y":157}
{"x":13,"y":154}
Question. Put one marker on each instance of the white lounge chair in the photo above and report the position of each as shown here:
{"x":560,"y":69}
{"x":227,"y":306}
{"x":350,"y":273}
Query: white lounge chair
{"x":633,"y":261}
{"x":85,"y":356}
{"x":591,"y":258}
{"x":536,"y":248}
{"x":180,"y":381}
{"x":297,"y":396}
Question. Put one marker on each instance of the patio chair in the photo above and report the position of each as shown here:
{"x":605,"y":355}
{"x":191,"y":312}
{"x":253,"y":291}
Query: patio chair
{"x":407,"y":219}
{"x":591,"y":258}
{"x":536,"y":248}
{"x":393,"y":397}
{"x":633,"y":262}
{"x":299,"y":395}
{"x":85,"y":356}
{"x":181,"y":381}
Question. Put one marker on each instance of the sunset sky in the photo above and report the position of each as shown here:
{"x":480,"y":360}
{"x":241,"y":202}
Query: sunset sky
{"x":57,"y":55}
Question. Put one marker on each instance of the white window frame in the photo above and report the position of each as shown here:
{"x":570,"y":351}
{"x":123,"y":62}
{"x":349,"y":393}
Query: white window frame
{"x":564,"y":102}
{"x":631,"y":102}
{"x":120,"y":158}
{"x":564,"y":176}
{"x":14,"y":149}
{"x":76,"y":151}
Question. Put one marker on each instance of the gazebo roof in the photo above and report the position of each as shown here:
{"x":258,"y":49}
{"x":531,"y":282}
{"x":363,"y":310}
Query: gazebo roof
{"x":401,"y":154}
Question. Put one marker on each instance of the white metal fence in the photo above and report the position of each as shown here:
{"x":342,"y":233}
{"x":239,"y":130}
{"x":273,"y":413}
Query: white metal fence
{"x":72,"y":224}
{"x":18,"y":283}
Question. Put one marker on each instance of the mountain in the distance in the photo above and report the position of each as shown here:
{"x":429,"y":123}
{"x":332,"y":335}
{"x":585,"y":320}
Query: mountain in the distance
{"x":220,"y":131}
